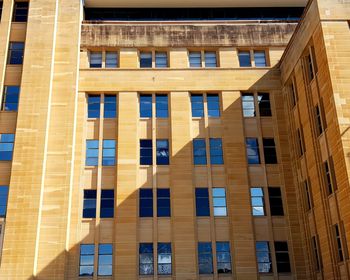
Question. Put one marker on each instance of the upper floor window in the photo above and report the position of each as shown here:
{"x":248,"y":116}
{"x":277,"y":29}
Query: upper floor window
{"x":216,"y":153}
{"x":16,"y":52}
{"x":293,"y":93}
{"x":338,"y":242}
{"x":329,"y":176}
{"x":282,"y":257}
{"x":146,"y":203}
{"x":269,"y":151}
{"x":244,"y":59}
{"x":94,"y":106}
{"x":161,"y":59}
{"x":108,"y":152}
{"x":320,"y":118}
{"x":107,"y":204}
{"x":4,"y":191}
{"x":146,"y":259}
{"x":163,"y":203}
{"x":202,"y":202}
{"x":87,"y":260}
{"x":307,"y":194}
{"x":260,"y":58}
{"x":199,"y":152}
{"x":111,"y":59}
{"x":197,"y":105}
{"x":253,"y":153}
{"x":164,"y":259}
{"x":6,"y":146}
{"x":219,"y":202}
{"x":105,"y":260}
{"x":146,"y":156}
{"x":264,"y":105}
{"x":146,"y":105}
{"x":10,"y":98}
{"x":1,"y":3}
{"x":276,"y":202}
{"x":91,"y":153}
{"x":205,"y":258}
{"x":223,"y":257}
{"x":145,"y":59}
{"x":95,"y":59}
{"x":300,"y":142}
{"x":162,"y":152}
{"x":309,"y":67}
{"x":210,"y":59}
{"x":213,"y":102}
{"x":263,"y":257}
{"x":316,"y":255}
{"x":20,"y":12}
{"x":89,"y":205}
{"x":162,"y":106}
{"x":195,"y":59}
{"x":110,"y":106}
{"x":248,"y":105}
{"x":258,"y":203}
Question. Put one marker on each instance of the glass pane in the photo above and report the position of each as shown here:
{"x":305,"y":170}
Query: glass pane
{"x":260,"y":58}
{"x":244,"y":59}
{"x":111,"y":60}
{"x":195,"y":59}
{"x":145,"y":60}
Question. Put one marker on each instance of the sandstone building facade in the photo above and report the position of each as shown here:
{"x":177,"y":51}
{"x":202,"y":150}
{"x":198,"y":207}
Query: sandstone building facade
{"x":174,"y":139}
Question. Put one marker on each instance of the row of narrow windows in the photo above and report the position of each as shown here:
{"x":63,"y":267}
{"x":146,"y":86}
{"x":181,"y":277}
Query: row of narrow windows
{"x":216,"y":155}
{"x":163,"y":257}
{"x":160,"y":59}
{"x":202,"y":201}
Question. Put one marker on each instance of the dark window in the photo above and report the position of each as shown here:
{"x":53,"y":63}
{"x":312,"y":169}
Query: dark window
{"x":95,"y":59}
{"x":94,"y":106}
{"x":219,"y":202}
{"x":146,"y":259}
{"x":264,"y":105}
{"x":223,"y":257}
{"x":244,"y":59}
{"x":316,"y":254}
{"x":258,"y":202}
{"x":195,"y":59}
{"x":107,"y":204}
{"x":216,"y":154}
{"x":89,"y":207}
{"x":199,"y":152}
{"x":16,"y":52}
{"x":146,"y":157}
{"x":300,"y":143}
{"x":86,"y":263}
{"x":276,"y":202}
{"x":110,"y":106}
{"x":309,"y":68}
{"x":108,"y":153}
{"x":293,"y":93}
{"x":161,"y":59}
{"x":328,"y":176}
{"x":210,"y":59}
{"x":252,"y":147}
{"x":269,"y":151}
{"x":162,"y":152}
{"x":105,"y":259}
{"x":20,"y":12}
{"x":6,"y":146}
{"x":164,"y":259}
{"x":162,"y":106}
{"x":197,"y":105}
{"x":145,"y":59}
{"x":146,"y":203}
{"x":146,"y":106}
{"x":163,"y":203}
{"x":111,"y":59}
{"x":319,"y":123}
{"x":260,"y":58}
{"x":1,"y":3}
{"x":282,"y":257}
{"x":10,"y":98}
{"x":338,"y":243}
{"x":248,"y":105}
{"x":91,"y":153}
{"x":202,"y":202}
{"x":205,"y":258}
{"x":263,"y":257}
{"x":213,"y":101}
{"x":4,"y":191}
{"x":308,"y":198}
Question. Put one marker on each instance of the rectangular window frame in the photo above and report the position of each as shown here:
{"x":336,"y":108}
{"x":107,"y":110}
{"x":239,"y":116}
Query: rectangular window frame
{"x":164,"y":260}
{"x":257,"y":196}
{"x":10,"y":98}
{"x":223,"y":257}
{"x":219,"y":202}
{"x":83,"y":259}
{"x":205,"y":258}
{"x":105,"y":259}
{"x":263,"y":257}
{"x":89,"y":204}
{"x":92,"y":150}
{"x":146,"y":251}
{"x":146,"y":203}
{"x":7,"y":143}
{"x":216,"y":151}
